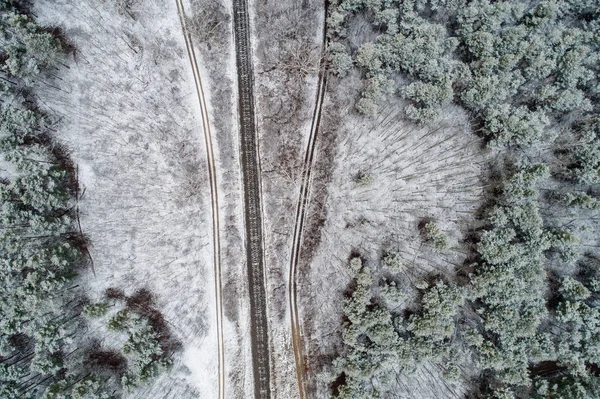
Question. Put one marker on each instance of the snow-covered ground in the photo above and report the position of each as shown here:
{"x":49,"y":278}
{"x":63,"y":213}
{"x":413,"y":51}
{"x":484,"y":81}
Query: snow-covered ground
{"x":130,"y":116}
{"x":414,"y":173}
{"x":217,"y":62}
{"x":285,"y":33}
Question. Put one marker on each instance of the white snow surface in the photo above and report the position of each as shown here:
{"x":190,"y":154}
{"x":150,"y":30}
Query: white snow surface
{"x":283,"y":128}
{"x":417,"y":172}
{"x":129,"y":114}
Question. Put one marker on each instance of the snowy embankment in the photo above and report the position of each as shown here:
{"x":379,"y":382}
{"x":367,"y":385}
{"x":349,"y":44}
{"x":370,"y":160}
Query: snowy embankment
{"x":287,"y":39}
{"x":129,"y":114}
{"x":210,"y":22}
{"x":388,"y":176}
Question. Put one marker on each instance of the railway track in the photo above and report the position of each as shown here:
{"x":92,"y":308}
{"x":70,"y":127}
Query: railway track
{"x":212,"y":172}
{"x":301,"y":206}
{"x":252,"y":203}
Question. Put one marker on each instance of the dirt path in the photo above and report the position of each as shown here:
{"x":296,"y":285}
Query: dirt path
{"x":212,"y":172}
{"x":299,"y":223}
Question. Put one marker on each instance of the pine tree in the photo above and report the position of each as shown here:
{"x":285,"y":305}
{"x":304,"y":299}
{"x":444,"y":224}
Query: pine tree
{"x":340,"y":61}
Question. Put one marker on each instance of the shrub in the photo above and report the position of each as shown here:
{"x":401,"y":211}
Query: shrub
{"x":427,"y":99}
{"x":505,"y":125}
{"x":364,"y":179}
{"x":372,"y":94}
{"x":391,"y":292}
{"x":432,"y":234}
{"x":340,"y":61}
{"x":392,"y":261}
{"x":572,"y":289}
{"x":96,"y":310}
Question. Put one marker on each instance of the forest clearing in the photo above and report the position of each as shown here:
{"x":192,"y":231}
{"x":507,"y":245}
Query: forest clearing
{"x":300,"y":199}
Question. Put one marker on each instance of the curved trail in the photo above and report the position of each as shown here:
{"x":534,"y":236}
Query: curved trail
{"x":212,"y":172}
{"x":299,"y":223}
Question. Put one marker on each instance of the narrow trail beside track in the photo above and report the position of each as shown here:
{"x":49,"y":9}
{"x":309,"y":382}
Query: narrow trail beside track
{"x":212,"y":172}
{"x":252,"y":202}
{"x":299,"y":223}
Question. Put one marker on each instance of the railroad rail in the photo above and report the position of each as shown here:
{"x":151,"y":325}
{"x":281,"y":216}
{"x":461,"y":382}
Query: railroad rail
{"x":252,"y":201}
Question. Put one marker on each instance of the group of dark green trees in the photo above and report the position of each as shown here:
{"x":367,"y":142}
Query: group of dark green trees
{"x":521,"y":317}
{"x":504,"y":318}
{"x":43,"y":350}
{"x":517,"y":65}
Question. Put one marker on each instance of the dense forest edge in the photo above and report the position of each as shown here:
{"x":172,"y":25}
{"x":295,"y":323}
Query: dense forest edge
{"x":54,"y":342}
{"x":520,"y":317}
